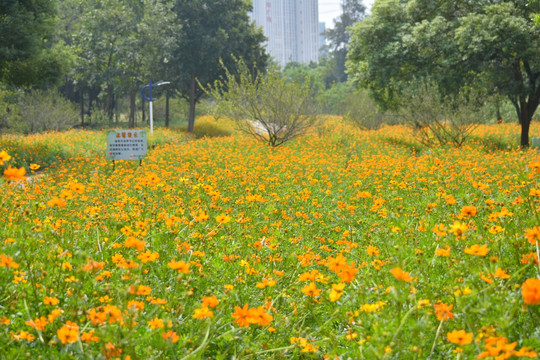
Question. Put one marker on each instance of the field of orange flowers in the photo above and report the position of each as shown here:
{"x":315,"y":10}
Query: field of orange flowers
{"x":341,"y":244}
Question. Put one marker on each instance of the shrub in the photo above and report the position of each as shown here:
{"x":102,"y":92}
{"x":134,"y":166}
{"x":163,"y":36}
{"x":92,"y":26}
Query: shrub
{"x":266,"y":106}
{"x":44,"y":110}
{"x":438,"y":120}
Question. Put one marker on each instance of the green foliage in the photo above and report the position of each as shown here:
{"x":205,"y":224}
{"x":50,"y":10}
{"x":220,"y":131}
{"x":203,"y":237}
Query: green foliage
{"x":212,"y":30}
{"x":266,"y":106}
{"x":27,"y":55}
{"x":338,"y":37}
{"x":39,"y":111}
{"x":435,"y":122}
{"x":485,"y":45}
{"x":25,"y":153}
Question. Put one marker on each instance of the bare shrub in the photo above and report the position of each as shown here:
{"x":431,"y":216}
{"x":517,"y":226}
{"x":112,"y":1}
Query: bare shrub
{"x":437,"y":120}
{"x":362,"y":111}
{"x":266,"y":106}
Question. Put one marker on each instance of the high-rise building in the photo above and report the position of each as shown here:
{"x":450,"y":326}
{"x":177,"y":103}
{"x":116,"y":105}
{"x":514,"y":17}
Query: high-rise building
{"x":292,"y":28}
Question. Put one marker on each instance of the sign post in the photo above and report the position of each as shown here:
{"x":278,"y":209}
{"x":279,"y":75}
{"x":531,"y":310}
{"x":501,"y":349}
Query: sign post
{"x":126,"y":145}
{"x":150,"y":99}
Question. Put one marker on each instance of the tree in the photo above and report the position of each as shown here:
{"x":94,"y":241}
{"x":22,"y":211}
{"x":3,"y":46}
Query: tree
{"x":352,"y":11}
{"x":266,"y":106}
{"x":27,"y":52}
{"x":212,"y":30}
{"x":120,"y":45}
{"x":489,"y":45}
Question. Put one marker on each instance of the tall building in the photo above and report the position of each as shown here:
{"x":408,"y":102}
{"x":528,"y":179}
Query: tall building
{"x":292,"y":28}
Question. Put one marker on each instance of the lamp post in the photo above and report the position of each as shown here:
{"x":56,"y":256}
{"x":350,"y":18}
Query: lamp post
{"x":150,"y":99}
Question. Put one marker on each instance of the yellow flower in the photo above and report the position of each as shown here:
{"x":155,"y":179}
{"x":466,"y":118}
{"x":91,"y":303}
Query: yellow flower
{"x":458,"y":229}
{"x":4,"y":156}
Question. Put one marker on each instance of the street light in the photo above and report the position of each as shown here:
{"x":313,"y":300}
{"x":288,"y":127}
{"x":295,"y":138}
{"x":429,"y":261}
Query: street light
{"x":150,"y":99}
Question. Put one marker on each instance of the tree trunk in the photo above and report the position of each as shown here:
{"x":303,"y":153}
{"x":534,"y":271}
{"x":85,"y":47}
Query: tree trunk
{"x":167,"y":97}
{"x":192,"y":103}
{"x":525,"y":110}
{"x":109,"y":102}
{"x":525,"y":124}
{"x":131,"y":108}
{"x":82,"y":108}
{"x":90,"y":100}
{"x":117,"y":108}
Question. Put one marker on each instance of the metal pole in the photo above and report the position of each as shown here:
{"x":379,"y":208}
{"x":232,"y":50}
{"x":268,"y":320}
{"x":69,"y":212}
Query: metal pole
{"x":151,"y":118}
{"x":150,"y":109}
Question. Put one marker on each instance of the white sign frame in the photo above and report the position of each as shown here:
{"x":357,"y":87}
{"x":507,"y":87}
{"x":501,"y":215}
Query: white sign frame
{"x":126,"y":145}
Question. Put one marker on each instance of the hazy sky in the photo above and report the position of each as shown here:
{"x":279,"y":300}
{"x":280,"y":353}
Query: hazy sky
{"x":329,"y":9}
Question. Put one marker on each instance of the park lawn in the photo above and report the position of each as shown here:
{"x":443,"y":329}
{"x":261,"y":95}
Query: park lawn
{"x":343,"y":243}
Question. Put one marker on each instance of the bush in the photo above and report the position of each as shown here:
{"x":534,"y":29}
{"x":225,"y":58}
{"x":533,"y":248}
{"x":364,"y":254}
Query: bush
{"x":437,"y":120}
{"x":41,"y":110}
{"x":356,"y":107}
{"x":266,"y":106}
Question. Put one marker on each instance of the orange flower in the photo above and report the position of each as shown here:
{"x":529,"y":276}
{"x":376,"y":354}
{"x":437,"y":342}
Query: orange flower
{"x":372,"y":250}
{"x":8,"y":262}
{"x":171,"y":335}
{"x":477,"y":250}
{"x":12,"y":173}
{"x":50,"y":300}
{"x":155,"y":323}
{"x":401,"y":275}
{"x":501,"y":274}
{"x":69,"y":333}
{"x":443,"y":312}
{"x":56,"y":202}
{"x":261,"y":317}
{"x":468,"y":211}
{"x":23,"y":335}
{"x":530,"y":290}
{"x":459,"y":337}
{"x":311,"y":290}
{"x":202,"y":313}
{"x":223,"y":219}
{"x":89,"y":336}
{"x":243,"y":316}
{"x":38,"y":323}
{"x":179,"y":265}
{"x":34,"y":166}
{"x":133,"y":242}
{"x":443,"y":252}
{"x":148,"y":256}
{"x":533,"y":235}
{"x":210,"y":301}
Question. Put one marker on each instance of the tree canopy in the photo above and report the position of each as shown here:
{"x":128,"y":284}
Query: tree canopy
{"x":338,"y":37}
{"x":489,"y":45}
{"x":27,"y":52}
{"x":212,"y":30}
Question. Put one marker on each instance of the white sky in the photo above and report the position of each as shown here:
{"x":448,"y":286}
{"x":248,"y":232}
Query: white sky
{"x":330,"y":9}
